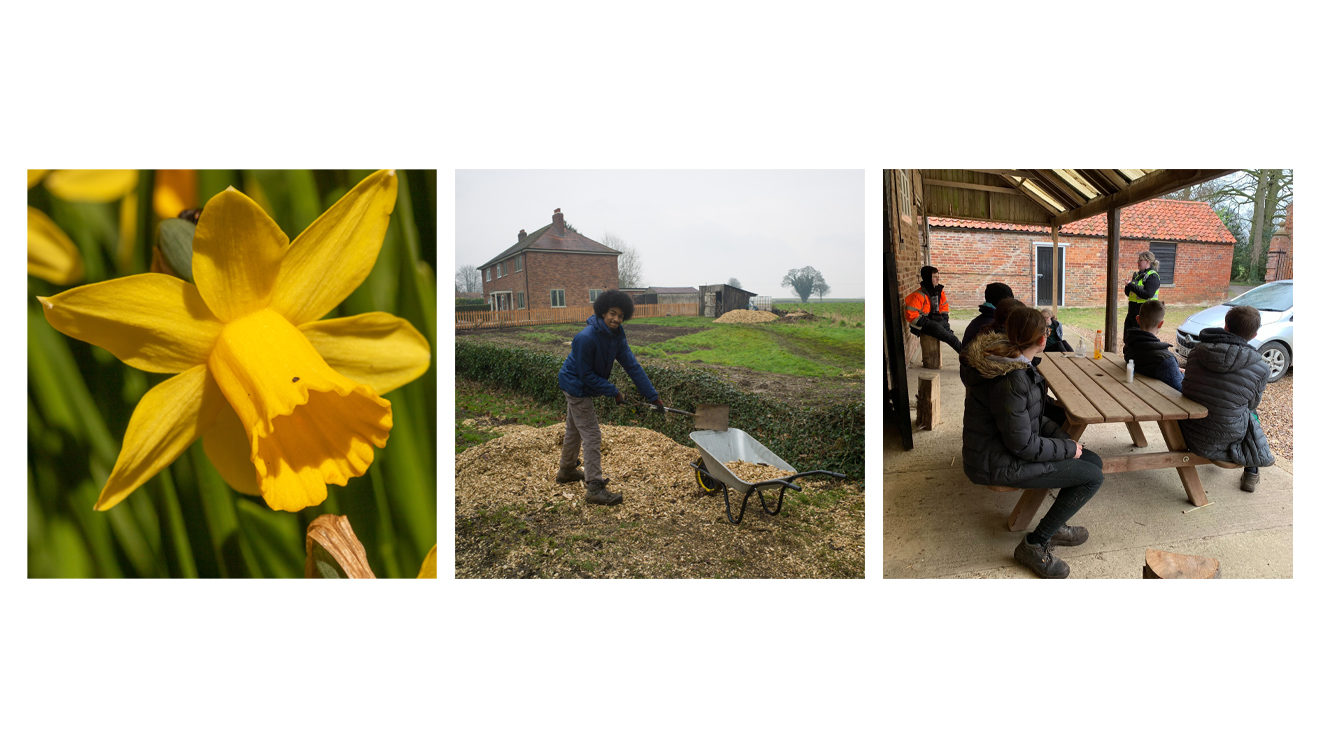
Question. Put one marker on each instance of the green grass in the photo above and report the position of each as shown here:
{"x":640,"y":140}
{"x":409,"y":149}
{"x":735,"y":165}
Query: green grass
{"x":475,"y":401}
{"x":848,"y":312}
{"x":186,"y":521}
{"x":671,"y":322}
{"x":803,"y":349}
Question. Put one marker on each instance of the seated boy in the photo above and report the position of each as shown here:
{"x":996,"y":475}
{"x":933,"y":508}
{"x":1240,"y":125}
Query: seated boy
{"x":1151,"y":355}
{"x":1054,"y":342}
{"x":1227,"y":375}
{"x":994,"y":293}
{"x":585,"y":374}
{"x":927,"y":310}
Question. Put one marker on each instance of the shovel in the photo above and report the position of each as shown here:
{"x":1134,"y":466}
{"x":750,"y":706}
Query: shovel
{"x":707,"y":417}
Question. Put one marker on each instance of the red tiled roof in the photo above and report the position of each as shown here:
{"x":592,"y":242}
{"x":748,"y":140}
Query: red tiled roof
{"x":1153,"y":219}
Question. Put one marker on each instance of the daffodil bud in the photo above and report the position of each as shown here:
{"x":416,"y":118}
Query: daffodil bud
{"x":334,"y":551}
{"x":174,"y":240}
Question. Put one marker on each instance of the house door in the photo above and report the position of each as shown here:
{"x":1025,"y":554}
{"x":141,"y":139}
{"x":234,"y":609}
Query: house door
{"x":1044,"y":259}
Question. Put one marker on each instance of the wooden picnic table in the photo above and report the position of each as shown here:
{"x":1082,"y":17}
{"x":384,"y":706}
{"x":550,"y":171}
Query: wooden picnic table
{"x":1097,"y":391}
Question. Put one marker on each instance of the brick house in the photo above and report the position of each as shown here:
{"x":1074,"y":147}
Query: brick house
{"x":549,"y":268}
{"x":1193,"y":246}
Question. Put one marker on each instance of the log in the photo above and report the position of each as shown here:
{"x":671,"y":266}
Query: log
{"x":1166,"y":565}
{"x":928,"y":399}
{"x":930,"y":352}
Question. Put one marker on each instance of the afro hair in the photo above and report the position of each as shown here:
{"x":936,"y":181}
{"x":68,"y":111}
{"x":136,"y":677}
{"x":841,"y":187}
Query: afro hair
{"x":613,"y":298}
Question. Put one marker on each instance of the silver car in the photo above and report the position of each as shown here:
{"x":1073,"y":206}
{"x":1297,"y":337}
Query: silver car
{"x":1274,"y":301}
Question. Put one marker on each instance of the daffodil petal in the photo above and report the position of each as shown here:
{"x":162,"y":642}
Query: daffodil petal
{"x":428,"y":566}
{"x":35,"y":175}
{"x":91,"y":185}
{"x":236,"y":255}
{"x":307,"y":424}
{"x":377,"y":349}
{"x":167,"y":419}
{"x":227,"y":447}
{"x":52,"y":255}
{"x":334,"y":255}
{"x":151,"y":321}
{"x":175,"y":191}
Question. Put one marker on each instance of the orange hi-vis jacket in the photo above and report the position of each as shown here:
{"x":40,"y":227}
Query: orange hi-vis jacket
{"x":917,"y":304}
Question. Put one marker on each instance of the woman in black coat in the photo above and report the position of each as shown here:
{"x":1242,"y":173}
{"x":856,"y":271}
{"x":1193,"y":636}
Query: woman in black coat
{"x":1008,"y":440}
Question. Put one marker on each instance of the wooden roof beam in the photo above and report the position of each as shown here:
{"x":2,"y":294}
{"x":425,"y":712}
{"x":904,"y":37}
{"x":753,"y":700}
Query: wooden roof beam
{"x":1071,"y":196}
{"x":1021,"y":190}
{"x":1153,"y":185}
{"x":972,"y":186}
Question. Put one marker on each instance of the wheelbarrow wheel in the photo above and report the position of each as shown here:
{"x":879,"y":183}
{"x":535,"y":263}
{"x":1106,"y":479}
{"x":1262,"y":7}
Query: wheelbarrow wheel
{"x":705,"y":481}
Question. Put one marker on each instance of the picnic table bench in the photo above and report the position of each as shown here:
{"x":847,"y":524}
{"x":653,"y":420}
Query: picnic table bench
{"x":1097,"y":391}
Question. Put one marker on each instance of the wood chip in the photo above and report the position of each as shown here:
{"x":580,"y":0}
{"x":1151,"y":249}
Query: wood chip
{"x":755,"y":472}
{"x":746,"y":315}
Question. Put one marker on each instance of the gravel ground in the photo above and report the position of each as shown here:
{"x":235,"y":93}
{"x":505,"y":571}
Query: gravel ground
{"x":1276,"y":407}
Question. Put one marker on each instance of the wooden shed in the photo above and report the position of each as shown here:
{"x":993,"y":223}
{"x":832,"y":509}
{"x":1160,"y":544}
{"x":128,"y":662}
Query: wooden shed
{"x":714,"y":301}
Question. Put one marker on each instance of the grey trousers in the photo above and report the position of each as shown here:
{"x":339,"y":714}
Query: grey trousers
{"x":581,"y":432}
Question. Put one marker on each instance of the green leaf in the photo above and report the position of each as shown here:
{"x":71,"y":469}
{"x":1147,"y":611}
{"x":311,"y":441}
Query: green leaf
{"x":175,"y":240}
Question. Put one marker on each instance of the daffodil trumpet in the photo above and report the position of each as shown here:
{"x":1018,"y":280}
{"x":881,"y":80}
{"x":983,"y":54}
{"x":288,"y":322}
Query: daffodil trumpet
{"x":284,"y":401}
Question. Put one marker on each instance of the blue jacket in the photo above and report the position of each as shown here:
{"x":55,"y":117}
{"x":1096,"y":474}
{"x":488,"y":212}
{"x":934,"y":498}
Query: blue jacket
{"x":586,"y":371}
{"x":1152,"y":356}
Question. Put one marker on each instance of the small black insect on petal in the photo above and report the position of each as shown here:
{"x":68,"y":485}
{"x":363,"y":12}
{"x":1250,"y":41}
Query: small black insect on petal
{"x":295,"y":379}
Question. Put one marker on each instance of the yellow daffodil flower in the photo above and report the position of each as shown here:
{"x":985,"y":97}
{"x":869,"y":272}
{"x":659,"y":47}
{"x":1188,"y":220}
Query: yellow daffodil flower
{"x":52,"y":255}
{"x":284,"y":403}
{"x":428,"y":566}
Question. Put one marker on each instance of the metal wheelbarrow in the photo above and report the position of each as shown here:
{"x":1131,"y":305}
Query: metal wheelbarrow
{"x":719,"y":447}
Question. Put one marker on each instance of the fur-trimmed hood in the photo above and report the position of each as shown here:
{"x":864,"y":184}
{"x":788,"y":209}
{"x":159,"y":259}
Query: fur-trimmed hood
{"x":980,"y":357}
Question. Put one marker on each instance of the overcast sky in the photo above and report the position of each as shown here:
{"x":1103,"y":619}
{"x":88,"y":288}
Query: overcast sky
{"x":689,"y":227}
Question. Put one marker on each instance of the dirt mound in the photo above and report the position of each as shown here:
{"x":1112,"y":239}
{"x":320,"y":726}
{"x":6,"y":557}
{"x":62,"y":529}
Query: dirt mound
{"x":513,"y":520}
{"x":800,"y":317}
{"x":747,"y":315}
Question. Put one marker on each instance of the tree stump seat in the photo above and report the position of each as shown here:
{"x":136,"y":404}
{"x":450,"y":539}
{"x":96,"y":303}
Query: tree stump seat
{"x":1166,"y":565}
{"x":928,"y":400}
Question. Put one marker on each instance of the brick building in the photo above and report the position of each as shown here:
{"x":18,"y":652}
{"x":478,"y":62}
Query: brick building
{"x":1279,"y":264}
{"x":551,"y":267}
{"x":1193,"y":246}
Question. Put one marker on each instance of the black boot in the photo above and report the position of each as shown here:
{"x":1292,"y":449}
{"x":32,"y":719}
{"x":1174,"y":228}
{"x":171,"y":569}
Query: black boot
{"x":597,"y":494}
{"x":569,"y":475}
{"x":1069,"y":536}
{"x":1041,"y":560}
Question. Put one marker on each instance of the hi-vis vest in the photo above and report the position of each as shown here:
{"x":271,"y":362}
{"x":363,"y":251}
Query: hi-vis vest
{"x":918,"y":304}
{"x":1139,"y":278}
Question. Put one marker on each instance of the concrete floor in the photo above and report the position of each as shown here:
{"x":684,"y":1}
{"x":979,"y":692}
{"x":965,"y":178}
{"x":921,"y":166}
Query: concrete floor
{"x":937,"y":524}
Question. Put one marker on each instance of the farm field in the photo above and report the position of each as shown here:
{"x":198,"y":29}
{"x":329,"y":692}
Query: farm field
{"x":513,"y":520}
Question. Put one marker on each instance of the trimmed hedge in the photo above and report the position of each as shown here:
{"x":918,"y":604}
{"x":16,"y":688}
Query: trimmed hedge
{"x":831,"y":438}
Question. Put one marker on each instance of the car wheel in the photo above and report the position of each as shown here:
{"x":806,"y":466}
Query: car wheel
{"x":1276,"y":355}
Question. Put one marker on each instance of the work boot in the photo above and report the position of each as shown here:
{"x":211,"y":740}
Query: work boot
{"x":1041,"y":560}
{"x":597,"y":494}
{"x":1249,"y":481}
{"x":1069,"y":536}
{"x":569,"y":475}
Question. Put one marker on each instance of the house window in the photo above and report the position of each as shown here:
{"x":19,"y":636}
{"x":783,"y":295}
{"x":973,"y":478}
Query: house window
{"x":1167,"y":254}
{"x":594,"y":293}
{"x":904,"y":196}
{"x":522,"y":301}
{"x":499,"y":270}
{"x":517,"y":264}
{"x":557,"y":297}
{"x":488,"y":275}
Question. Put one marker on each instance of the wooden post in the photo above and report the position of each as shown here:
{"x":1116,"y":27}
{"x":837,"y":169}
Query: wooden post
{"x":1166,"y":565}
{"x":1054,"y":272}
{"x":1111,"y":284}
{"x":928,"y":400}
{"x":930,"y":352}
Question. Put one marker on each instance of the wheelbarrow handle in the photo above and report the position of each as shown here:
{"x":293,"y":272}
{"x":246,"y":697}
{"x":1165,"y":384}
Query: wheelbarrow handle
{"x":666,"y":408}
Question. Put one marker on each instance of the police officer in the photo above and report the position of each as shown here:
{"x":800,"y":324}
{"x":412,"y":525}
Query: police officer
{"x":1144,"y":286}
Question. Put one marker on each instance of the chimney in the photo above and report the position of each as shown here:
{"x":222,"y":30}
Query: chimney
{"x":522,"y":234}
{"x":558,"y":220}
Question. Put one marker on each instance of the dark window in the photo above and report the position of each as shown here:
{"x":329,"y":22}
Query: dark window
{"x":557,"y":297}
{"x":488,"y":275}
{"x":517,"y":264}
{"x":522,"y":302}
{"x":593,"y":294}
{"x":1167,"y":254}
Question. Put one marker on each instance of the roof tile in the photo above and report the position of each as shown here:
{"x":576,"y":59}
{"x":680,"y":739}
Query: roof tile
{"x":1158,"y":219}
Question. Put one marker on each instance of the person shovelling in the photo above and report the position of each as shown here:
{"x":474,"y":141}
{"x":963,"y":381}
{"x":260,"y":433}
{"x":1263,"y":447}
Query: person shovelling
{"x":584,"y":375}
{"x":927,"y":310}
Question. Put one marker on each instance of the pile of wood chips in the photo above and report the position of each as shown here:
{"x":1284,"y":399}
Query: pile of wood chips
{"x":755,"y":472}
{"x":746,"y":315}
{"x":513,"y":520}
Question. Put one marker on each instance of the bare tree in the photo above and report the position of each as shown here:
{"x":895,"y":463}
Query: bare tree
{"x":733,"y":282}
{"x":630,"y":263}
{"x":803,"y":281}
{"x":1265,"y":194}
{"x":467,"y":279}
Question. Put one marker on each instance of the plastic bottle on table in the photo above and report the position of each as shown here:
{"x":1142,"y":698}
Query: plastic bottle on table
{"x":1099,"y":345}
{"x":1132,"y":368}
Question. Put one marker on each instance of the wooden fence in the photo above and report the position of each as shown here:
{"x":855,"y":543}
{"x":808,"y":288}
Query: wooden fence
{"x":574,"y":314}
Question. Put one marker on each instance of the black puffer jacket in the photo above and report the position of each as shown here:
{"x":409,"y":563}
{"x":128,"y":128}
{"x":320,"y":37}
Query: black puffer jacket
{"x":1228,"y":376}
{"x":983,"y":320}
{"x":1006,"y":436}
